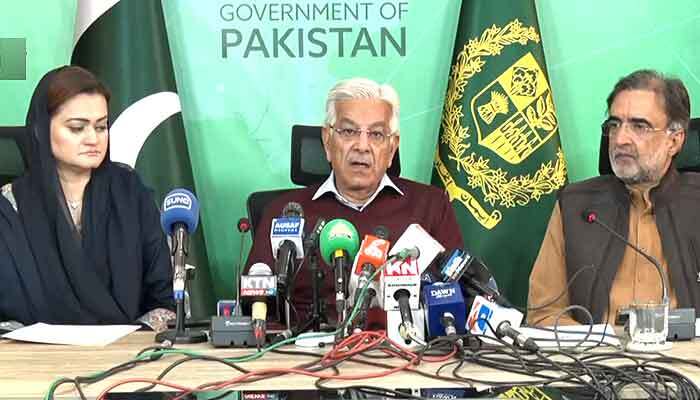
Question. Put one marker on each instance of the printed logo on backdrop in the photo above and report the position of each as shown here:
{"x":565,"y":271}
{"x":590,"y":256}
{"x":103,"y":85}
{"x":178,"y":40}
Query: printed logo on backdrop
{"x":313,"y":29}
{"x":513,"y":116}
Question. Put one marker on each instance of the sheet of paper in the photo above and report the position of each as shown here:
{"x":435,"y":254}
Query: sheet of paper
{"x":77,"y":335}
{"x":697,"y":327}
{"x":570,"y":335}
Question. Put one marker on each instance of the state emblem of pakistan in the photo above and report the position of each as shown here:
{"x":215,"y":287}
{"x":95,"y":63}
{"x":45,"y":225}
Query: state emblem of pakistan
{"x":512,"y":116}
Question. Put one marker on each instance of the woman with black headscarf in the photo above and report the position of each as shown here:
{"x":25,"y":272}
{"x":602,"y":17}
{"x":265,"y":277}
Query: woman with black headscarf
{"x":80,"y":240}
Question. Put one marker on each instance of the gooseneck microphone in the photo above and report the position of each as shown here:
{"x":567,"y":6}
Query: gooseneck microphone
{"x":179,"y":219}
{"x":591,"y":217}
{"x":647,"y":323}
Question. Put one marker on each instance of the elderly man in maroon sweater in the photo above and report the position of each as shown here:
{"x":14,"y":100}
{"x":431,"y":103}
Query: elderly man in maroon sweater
{"x":360,"y":136}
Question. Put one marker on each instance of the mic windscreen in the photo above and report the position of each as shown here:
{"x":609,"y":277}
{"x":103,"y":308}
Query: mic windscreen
{"x":180,"y":206}
{"x":259,"y":310}
{"x":293,"y":209}
{"x":589,"y":216}
{"x":381,"y":232}
{"x":260,"y":269}
{"x":338,"y":234}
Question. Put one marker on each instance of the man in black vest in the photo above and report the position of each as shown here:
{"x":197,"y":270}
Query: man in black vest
{"x":646,"y":200}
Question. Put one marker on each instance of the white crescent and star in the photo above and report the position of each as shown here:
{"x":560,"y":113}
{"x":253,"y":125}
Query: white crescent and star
{"x":134,"y":125}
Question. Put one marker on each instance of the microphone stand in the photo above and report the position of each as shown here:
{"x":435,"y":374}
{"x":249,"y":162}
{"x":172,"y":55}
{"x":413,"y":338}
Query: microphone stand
{"x":317,"y":275}
{"x":317,"y":307}
{"x":340,"y":297}
{"x":180,"y":334}
{"x":650,"y":315}
{"x":285,"y":290}
{"x":653,"y":261}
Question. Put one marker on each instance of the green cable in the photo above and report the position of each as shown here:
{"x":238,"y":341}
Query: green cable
{"x":254,"y":356}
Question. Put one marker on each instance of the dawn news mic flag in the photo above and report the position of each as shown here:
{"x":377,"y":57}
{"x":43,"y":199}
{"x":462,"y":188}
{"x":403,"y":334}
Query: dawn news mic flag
{"x":124,"y":42}
{"x":499,"y":156}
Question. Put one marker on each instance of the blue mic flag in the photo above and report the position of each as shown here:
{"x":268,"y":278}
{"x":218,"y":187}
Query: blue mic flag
{"x":440,"y":298}
{"x":179,"y":206}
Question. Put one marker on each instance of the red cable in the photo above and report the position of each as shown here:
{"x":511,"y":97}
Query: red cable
{"x":352,"y":345}
{"x":348,"y":347}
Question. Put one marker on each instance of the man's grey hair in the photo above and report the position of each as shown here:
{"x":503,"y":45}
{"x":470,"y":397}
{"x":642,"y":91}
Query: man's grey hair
{"x":363,"y":88}
{"x":670,"y":90}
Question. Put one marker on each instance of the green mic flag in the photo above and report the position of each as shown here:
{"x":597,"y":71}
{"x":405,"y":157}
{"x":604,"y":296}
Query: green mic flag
{"x":338,"y":234}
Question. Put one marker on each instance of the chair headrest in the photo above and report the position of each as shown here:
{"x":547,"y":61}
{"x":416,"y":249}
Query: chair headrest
{"x":13,"y":152}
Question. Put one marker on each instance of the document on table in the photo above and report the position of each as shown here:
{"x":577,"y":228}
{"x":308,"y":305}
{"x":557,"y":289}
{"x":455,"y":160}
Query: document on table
{"x":77,"y":335}
{"x":571,"y":335}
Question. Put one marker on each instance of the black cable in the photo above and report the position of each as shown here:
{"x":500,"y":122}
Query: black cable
{"x":50,"y":395}
{"x":82,"y":380}
{"x":187,"y":358}
{"x":648,"y":373}
{"x":656,"y":382}
{"x":595,"y":385}
{"x":374,"y":390}
{"x":223,"y":395}
{"x":560,"y":295}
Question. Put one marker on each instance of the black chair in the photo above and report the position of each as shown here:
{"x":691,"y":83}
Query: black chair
{"x":13,"y":161}
{"x":687,"y":160}
{"x":308,"y":166}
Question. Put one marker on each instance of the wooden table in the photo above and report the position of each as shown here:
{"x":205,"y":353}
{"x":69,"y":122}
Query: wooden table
{"x":27,"y":370}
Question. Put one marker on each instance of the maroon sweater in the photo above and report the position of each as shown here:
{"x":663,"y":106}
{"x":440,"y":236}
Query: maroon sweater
{"x":421,"y":204}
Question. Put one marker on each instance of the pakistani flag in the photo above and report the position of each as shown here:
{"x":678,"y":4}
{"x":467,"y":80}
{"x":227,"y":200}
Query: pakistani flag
{"x":499,"y":156}
{"x":126,"y":45}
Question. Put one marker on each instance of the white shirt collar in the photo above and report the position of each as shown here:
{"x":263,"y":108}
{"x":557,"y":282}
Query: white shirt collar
{"x":329,"y":186}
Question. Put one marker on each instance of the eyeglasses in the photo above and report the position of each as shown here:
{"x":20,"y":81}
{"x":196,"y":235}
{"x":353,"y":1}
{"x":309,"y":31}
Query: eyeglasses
{"x":639,"y":128}
{"x":375,"y":135}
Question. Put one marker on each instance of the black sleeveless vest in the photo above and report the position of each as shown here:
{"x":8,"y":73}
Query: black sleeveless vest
{"x":676,"y":207}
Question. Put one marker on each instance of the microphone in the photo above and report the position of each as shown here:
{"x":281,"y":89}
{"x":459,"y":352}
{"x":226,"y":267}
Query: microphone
{"x":417,"y":243}
{"x":492,"y":320}
{"x":505,"y":329}
{"x":286,"y":241}
{"x":591,"y":217}
{"x":411,"y":255}
{"x":339,"y":242}
{"x":460,"y":266}
{"x":179,"y":219}
{"x":647,"y":324}
{"x":445,"y":310}
{"x":259,"y":284}
{"x":311,"y":240}
{"x":401,"y":286}
{"x":243,"y":228}
{"x":371,"y":256}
